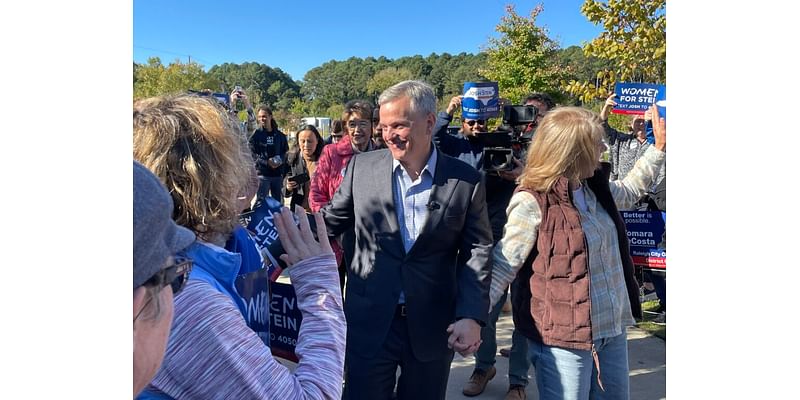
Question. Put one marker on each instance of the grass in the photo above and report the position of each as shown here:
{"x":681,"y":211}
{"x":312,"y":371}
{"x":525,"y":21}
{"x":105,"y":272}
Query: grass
{"x":658,"y":330}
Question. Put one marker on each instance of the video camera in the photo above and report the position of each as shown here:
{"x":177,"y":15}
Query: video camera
{"x":508,"y":141}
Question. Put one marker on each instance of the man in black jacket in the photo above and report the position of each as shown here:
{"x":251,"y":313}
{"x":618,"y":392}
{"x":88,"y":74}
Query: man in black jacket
{"x":269,"y":146}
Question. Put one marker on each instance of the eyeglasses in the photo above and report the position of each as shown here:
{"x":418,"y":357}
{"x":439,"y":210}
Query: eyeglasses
{"x":175,"y":275}
{"x":481,"y":122}
{"x":358,"y":123}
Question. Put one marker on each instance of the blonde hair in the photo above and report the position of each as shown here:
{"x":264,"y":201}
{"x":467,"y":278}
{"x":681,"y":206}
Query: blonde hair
{"x":565,"y":144}
{"x":200,"y":154}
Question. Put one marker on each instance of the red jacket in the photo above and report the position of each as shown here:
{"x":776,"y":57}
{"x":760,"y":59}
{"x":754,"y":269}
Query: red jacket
{"x":329,"y":174}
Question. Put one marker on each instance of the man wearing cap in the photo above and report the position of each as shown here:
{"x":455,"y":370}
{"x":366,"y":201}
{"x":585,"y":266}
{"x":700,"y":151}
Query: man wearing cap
{"x":157,"y":273}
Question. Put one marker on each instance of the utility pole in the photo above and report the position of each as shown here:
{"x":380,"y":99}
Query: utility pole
{"x":190,"y":59}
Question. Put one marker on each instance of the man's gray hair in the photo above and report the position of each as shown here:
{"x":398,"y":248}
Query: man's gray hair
{"x":420,"y":94}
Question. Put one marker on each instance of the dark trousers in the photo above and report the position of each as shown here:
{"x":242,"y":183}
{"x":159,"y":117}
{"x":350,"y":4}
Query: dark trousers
{"x":270,"y":186}
{"x":660,"y":285}
{"x":376,"y":377}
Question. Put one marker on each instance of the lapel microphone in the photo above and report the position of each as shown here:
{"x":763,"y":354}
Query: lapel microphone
{"x":432,"y":205}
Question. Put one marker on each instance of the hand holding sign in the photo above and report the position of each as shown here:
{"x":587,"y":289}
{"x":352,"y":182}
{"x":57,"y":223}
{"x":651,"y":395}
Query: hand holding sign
{"x":607,"y":107}
{"x":455,"y":103}
{"x":300,"y":244}
{"x":659,"y":129}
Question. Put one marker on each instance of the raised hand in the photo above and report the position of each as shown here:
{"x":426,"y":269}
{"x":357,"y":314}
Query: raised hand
{"x":455,"y":102}
{"x":299,"y":243}
{"x":659,"y":129}
{"x":610,"y":103}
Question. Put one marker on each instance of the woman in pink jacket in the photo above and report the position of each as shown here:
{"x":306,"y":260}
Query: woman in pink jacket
{"x":357,"y":119}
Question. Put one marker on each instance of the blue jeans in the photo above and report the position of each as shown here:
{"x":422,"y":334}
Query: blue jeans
{"x":571,"y":374}
{"x":270,"y":185}
{"x":518,"y":364}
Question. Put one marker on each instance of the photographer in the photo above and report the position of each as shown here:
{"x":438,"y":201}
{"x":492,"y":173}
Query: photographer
{"x":500,"y":185}
{"x":269,"y":146}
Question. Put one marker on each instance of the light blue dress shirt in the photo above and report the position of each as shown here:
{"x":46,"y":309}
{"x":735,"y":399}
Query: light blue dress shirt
{"x":411,"y":201}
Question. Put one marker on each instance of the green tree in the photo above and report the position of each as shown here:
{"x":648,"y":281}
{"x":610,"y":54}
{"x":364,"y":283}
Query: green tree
{"x":155,"y":79}
{"x":522,"y":59}
{"x":581,"y":68}
{"x":262,"y":83}
{"x":634,"y":41}
{"x":386,"y":78}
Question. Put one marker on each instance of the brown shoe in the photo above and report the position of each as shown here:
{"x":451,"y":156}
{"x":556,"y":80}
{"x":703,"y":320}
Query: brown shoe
{"x":477,"y":382}
{"x":505,"y":352}
{"x":516,"y":392}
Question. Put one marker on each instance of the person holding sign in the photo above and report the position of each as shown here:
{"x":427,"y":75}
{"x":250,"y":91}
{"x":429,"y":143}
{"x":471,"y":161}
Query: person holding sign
{"x":626,"y":148}
{"x":203,"y":159}
{"x":566,"y":242}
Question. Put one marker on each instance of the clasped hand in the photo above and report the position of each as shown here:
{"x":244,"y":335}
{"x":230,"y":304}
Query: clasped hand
{"x":465,"y":336}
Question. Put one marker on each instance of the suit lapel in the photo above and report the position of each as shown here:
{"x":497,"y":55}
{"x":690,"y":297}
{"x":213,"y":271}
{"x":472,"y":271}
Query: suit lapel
{"x":384,"y":178}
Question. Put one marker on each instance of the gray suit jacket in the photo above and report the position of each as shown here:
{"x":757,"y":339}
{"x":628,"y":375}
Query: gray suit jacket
{"x":445,"y":275}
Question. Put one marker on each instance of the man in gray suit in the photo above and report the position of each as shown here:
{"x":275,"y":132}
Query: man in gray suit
{"x":417,"y":288}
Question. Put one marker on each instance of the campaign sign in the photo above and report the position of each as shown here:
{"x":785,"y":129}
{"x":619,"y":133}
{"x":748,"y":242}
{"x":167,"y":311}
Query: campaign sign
{"x":253,"y":287}
{"x":645,"y":233}
{"x":481,"y":100}
{"x":272,"y":314}
{"x":284,"y":321}
{"x":260,"y":223}
{"x":636,"y":98}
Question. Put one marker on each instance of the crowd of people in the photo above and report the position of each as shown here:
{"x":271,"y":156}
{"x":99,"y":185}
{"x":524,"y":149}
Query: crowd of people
{"x":416,"y":243}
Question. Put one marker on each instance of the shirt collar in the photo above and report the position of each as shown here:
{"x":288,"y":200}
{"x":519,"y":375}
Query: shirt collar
{"x":430,"y":166}
{"x":220,"y":263}
{"x":591,"y":199}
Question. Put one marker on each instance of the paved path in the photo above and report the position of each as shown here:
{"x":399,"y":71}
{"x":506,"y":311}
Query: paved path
{"x":647,"y":359}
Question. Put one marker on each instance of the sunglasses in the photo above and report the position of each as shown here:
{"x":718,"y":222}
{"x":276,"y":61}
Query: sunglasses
{"x":175,"y":275}
{"x":481,"y":122}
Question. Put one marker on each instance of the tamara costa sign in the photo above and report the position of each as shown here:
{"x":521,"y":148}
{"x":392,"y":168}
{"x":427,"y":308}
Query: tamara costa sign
{"x":645,"y":233}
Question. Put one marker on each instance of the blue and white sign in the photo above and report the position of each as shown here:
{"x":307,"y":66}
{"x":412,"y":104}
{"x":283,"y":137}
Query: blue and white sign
{"x":481,"y":100}
{"x":272,"y":310}
{"x":636,"y":98}
{"x":284,"y":321}
{"x":260,"y":224}
{"x":645,"y":231}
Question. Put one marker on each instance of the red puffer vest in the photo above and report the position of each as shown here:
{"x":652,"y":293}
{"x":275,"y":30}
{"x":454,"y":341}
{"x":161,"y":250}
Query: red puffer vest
{"x":557,"y":270}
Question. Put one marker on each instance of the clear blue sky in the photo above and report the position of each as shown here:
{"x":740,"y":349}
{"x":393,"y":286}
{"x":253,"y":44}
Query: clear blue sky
{"x":297,"y":35}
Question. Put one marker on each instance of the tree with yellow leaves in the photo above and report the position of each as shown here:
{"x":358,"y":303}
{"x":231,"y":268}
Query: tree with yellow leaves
{"x":635,"y":40}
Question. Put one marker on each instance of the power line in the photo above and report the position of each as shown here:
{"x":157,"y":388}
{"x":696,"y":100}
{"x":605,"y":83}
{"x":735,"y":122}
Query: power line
{"x":171,"y":52}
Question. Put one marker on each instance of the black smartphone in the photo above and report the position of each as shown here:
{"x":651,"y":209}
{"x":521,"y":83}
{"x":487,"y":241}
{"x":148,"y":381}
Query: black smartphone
{"x":300,"y":178}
